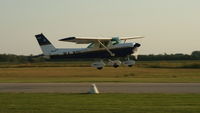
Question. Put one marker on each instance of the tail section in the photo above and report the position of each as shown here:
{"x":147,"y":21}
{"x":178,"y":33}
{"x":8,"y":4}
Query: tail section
{"x":45,"y":44}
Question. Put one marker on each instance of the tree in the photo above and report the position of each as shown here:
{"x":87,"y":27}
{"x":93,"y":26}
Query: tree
{"x":195,"y":55}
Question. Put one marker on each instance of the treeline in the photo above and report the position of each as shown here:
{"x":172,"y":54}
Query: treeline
{"x":194,"y":56}
{"x":20,"y":58}
{"x":24,"y":59}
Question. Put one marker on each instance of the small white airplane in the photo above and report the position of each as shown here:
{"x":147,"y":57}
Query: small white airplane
{"x":99,"y":48}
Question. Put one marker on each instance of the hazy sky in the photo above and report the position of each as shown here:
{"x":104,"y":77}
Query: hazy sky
{"x":169,"y":26}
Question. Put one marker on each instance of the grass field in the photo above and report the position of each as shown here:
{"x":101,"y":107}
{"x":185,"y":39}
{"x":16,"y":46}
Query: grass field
{"x":149,"y":72}
{"x":88,"y":74}
{"x":103,"y":103}
{"x":145,"y":64}
{"x":154,"y":71}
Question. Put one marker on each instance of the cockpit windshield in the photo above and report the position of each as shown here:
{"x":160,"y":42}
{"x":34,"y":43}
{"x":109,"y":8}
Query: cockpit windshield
{"x":115,"y":40}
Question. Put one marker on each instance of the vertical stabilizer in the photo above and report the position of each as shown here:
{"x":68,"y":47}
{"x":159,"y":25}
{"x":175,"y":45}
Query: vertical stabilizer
{"x":45,"y":44}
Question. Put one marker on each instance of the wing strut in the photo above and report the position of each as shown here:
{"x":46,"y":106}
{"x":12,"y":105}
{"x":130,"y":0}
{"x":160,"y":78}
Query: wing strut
{"x":110,"y":52}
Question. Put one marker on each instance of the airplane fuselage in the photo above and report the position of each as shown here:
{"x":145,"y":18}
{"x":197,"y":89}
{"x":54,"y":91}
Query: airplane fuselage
{"x":119,"y":50}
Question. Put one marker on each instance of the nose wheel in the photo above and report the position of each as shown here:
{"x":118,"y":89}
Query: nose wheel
{"x":129,"y":62}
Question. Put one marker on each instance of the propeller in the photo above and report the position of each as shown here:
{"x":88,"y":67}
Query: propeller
{"x":135,"y":53}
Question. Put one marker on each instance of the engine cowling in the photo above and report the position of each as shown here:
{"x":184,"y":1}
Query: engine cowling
{"x":98,"y":65}
{"x":129,"y":63}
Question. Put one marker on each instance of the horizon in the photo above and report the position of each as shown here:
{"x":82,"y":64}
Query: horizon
{"x":168,"y":26}
{"x":139,"y":54}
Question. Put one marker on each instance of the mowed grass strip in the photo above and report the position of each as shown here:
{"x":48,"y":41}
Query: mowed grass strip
{"x":147,"y":64}
{"x":103,"y":103}
{"x":191,"y":64}
{"x":89,"y":74}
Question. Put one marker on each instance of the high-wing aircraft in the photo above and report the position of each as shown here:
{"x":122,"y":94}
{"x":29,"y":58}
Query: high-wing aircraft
{"x":99,"y":48}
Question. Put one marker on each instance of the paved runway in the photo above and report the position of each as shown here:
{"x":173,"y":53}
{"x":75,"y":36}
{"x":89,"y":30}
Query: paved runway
{"x":103,"y":87}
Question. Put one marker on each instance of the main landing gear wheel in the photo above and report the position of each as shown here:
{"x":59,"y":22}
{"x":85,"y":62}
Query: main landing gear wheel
{"x":115,"y":63}
{"x":130,"y":65}
{"x":98,"y":65}
{"x":100,"y":68}
{"x":115,"y":66}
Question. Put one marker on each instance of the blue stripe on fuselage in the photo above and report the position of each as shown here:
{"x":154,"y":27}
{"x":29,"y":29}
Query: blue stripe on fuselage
{"x":119,"y":52}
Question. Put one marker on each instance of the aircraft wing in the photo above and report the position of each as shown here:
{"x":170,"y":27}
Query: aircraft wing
{"x":129,"y":38}
{"x":84,"y":40}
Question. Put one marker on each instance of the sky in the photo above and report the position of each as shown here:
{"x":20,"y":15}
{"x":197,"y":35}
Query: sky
{"x":169,"y":26}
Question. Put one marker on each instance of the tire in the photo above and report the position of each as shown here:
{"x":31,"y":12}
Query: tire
{"x":100,"y":68}
{"x":115,"y":66}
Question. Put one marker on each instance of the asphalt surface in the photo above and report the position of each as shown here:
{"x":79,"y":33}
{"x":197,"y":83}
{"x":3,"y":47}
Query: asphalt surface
{"x":102,"y":87}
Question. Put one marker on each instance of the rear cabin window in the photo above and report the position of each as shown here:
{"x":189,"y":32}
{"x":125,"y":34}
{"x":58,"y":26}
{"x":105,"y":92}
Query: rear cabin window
{"x":91,"y":45}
